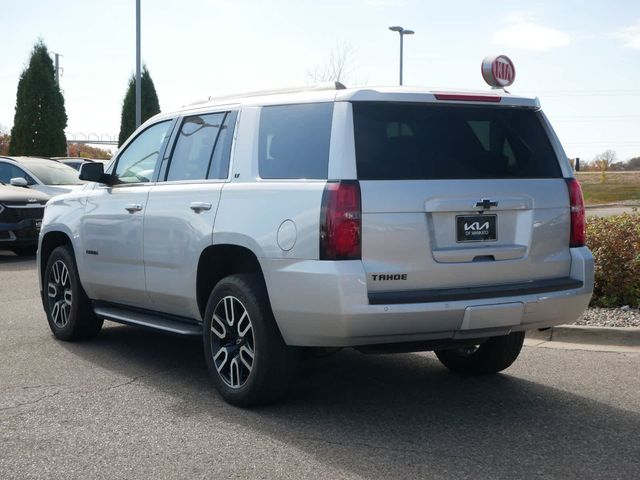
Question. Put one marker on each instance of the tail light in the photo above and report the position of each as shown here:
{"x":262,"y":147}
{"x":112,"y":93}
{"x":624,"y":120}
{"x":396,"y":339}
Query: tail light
{"x":340,"y":221}
{"x":464,"y":97}
{"x":576,"y":202}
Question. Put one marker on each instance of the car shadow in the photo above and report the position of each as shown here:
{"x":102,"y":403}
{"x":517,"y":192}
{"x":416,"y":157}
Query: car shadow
{"x":385,"y":416}
{"x":15,"y":262}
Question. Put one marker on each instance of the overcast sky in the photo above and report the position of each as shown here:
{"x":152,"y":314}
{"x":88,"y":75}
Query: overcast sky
{"x":582,"y":58}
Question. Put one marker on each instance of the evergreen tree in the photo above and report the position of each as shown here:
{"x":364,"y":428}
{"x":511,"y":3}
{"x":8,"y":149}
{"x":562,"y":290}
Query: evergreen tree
{"x":40,"y":119}
{"x":149,"y":101}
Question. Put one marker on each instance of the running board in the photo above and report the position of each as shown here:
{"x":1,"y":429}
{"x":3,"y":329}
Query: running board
{"x":161,"y":322}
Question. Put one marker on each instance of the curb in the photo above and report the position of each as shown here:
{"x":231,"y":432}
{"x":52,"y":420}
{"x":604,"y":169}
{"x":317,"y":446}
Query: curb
{"x":612,"y":205}
{"x":614,"y":336}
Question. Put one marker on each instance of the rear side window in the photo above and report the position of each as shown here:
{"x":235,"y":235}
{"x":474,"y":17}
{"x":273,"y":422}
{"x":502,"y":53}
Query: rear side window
{"x":396,"y":141}
{"x":202,"y":148}
{"x":294,"y":141}
{"x":220,"y":161}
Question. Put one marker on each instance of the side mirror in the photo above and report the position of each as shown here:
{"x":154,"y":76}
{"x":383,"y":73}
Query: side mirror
{"x":94,"y":172}
{"x":19,"y":182}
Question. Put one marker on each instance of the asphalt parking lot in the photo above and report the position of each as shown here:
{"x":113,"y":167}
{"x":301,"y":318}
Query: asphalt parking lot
{"x":136,"y":404}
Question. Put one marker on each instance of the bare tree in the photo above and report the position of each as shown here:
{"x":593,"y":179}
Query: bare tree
{"x":605,"y":159}
{"x":337,"y":68}
{"x":5,"y":140}
{"x":603,"y":162}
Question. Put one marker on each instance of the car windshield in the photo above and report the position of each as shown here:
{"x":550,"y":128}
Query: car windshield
{"x":51,"y":172}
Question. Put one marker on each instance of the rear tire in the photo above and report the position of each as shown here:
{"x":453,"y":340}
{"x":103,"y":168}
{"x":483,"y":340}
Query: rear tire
{"x":247,"y":358}
{"x":492,"y":356}
{"x":69,"y":311}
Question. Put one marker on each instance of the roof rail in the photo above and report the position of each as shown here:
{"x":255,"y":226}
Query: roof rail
{"x":277,"y":91}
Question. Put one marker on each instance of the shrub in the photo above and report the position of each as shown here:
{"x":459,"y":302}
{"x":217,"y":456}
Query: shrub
{"x":149,"y":104}
{"x":615,"y":243}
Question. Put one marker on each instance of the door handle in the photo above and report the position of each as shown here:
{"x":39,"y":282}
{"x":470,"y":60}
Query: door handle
{"x":200,"y":206}
{"x":133,"y":207}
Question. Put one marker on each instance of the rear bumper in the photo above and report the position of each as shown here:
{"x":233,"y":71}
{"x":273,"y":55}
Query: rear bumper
{"x":323,"y":303}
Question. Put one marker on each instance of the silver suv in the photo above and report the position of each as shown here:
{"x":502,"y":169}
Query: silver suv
{"x":385,"y":219}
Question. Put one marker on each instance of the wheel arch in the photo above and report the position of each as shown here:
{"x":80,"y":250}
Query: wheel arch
{"x":221,"y":260}
{"x":50,"y":241}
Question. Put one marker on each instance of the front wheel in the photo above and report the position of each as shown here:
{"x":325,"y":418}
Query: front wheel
{"x":68,"y":308}
{"x":492,"y":356}
{"x":245,"y":353}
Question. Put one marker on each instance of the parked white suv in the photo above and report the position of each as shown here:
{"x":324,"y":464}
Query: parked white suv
{"x":47,"y":176}
{"x":386,"y":219}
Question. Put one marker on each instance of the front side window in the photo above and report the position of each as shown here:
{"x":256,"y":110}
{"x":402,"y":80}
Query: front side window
{"x":8,"y":171}
{"x":294,"y":141}
{"x":138,"y":161}
{"x":201,"y":148}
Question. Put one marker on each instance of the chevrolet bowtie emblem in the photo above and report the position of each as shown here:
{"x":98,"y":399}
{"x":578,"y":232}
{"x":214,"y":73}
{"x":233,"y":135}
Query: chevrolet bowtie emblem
{"x":485,"y":204}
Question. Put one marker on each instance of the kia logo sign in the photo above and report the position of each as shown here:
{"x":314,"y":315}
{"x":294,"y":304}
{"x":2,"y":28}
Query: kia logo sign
{"x":475,"y":226}
{"x":498,"y":71}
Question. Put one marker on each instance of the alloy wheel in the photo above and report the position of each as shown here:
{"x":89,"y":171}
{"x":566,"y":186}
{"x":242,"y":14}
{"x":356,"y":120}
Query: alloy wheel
{"x":232,"y":341}
{"x":59,"y":294}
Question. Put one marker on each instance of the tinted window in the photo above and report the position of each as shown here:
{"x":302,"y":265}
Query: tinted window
{"x":75,"y":165}
{"x":8,"y":171}
{"x":220,"y":162}
{"x":294,"y":141}
{"x":195,"y":145}
{"x":138,"y":161}
{"x":51,"y":172}
{"x":407,"y":141}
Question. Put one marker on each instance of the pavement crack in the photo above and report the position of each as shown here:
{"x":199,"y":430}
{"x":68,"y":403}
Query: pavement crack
{"x":31,"y":387}
{"x":139,"y":377}
{"x":44,"y":397}
{"x":30,"y":402}
{"x":398,"y":449}
{"x":46,"y":385}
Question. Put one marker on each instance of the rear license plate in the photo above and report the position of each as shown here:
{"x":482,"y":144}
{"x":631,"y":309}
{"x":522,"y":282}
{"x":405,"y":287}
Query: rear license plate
{"x":476,"y":228}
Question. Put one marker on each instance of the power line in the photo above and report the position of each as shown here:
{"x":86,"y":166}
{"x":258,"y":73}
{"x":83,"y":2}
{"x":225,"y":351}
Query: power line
{"x":593,"y":116}
{"x":595,"y":120}
{"x":620,"y":144}
{"x":585,"y":93}
{"x":580,"y":121}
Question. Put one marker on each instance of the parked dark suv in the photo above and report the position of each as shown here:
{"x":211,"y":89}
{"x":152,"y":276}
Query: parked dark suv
{"x":21,"y":212}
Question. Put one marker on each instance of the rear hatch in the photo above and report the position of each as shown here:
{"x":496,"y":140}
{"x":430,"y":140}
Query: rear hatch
{"x":458,"y":196}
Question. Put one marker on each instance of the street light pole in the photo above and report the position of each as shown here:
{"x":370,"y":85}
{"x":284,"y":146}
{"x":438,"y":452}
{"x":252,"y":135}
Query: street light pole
{"x":402,"y":31}
{"x":57,"y":68}
{"x":138,"y":85}
{"x":401,"y":56}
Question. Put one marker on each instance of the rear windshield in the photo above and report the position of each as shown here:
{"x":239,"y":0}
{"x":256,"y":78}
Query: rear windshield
{"x":400,"y":141}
